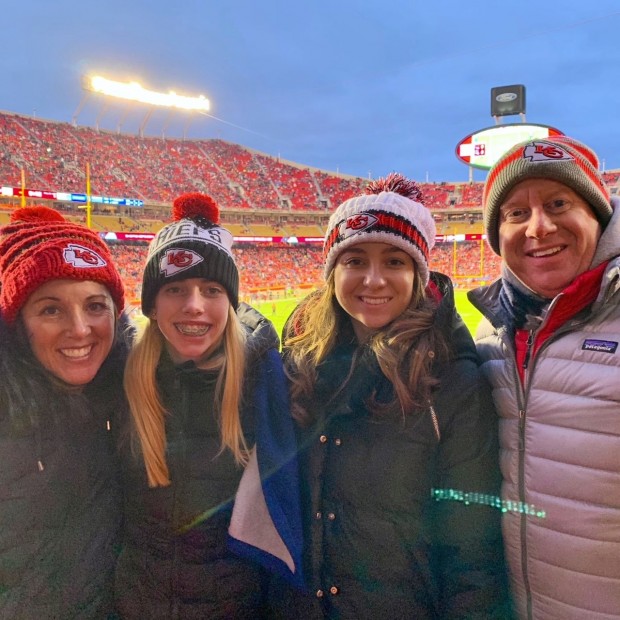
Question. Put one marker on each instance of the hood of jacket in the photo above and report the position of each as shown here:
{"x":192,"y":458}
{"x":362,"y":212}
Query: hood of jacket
{"x":608,"y":245}
{"x":260,"y":333}
{"x":450,"y":323}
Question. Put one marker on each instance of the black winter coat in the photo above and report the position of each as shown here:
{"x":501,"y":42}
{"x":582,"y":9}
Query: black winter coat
{"x":175,"y":561}
{"x":60,"y":503}
{"x":378,"y":546}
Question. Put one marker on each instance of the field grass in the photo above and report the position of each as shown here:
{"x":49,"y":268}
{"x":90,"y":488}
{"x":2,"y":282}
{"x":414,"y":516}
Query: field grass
{"x":468,"y":313}
{"x":284,"y":307}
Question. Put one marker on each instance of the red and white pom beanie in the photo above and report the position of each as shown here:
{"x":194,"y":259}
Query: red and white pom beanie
{"x":41,"y":245}
{"x":390,"y":211}
{"x":192,"y":246}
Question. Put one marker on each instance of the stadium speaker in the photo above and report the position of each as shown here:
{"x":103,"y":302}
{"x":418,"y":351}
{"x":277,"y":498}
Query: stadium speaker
{"x":507,"y":100}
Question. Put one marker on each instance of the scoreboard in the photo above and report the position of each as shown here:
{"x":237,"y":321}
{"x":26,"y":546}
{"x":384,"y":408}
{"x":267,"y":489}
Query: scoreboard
{"x":483,"y":148}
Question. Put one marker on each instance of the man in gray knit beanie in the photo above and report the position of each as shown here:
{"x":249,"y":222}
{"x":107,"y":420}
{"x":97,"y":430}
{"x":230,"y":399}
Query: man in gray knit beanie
{"x":549,"y":345}
{"x":560,"y":158}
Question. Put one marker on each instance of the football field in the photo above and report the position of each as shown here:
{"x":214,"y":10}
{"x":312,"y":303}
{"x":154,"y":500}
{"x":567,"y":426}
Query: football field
{"x":284,"y":307}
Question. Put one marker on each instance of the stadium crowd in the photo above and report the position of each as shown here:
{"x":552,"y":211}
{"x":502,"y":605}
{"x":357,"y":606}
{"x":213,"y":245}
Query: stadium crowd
{"x":267,"y":269}
{"x":52,"y":154}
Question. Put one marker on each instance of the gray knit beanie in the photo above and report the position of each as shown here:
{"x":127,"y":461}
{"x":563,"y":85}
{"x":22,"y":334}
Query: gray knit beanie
{"x":559,"y":158}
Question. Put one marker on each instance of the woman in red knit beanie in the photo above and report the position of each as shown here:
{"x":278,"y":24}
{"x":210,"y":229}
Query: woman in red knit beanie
{"x":61,"y":367}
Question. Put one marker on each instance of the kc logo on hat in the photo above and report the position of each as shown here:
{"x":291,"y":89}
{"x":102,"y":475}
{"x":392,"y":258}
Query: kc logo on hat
{"x":540,"y":151}
{"x":81,"y":257}
{"x":176,"y":260}
{"x":357,"y":223}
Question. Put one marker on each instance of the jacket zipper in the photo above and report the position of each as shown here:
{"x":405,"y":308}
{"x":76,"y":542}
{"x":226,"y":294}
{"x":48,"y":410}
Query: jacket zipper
{"x":522,"y":400}
{"x":174,"y":577}
{"x":528,"y":353}
{"x":529,"y":363}
{"x":435,"y":423}
{"x":523,"y":520}
{"x":522,"y":420}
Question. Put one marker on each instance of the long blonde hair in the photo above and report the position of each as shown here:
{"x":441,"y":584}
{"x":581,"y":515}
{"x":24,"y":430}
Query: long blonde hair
{"x":405,"y":349}
{"x":147,"y":409}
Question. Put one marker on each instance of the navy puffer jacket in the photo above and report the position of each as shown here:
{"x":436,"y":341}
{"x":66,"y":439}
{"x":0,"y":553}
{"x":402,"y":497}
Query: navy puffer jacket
{"x":176,"y":561}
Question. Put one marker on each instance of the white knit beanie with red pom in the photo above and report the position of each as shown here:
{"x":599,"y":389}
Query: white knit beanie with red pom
{"x":391,"y":211}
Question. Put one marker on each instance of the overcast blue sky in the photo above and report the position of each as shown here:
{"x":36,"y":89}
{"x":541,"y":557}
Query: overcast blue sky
{"x":365,"y":87}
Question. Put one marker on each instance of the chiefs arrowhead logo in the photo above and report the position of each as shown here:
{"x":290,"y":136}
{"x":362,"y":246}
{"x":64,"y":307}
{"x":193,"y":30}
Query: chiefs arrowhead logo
{"x":542,"y":151}
{"x":81,"y":257}
{"x":176,"y":260}
{"x":357,"y":223}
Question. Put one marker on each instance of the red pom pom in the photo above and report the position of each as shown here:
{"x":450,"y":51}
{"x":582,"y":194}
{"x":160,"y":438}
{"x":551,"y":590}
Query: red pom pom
{"x":397,"y":183}
{"x":36,"y":214}
{"x":193,"y":205}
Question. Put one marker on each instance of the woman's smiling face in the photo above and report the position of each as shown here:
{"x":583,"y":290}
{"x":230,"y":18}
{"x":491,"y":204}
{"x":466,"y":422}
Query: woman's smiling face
{"x":374,"y":285}
{"x":70,"y":327}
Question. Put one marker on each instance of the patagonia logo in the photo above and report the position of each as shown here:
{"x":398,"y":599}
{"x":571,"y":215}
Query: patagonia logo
{"x":541,"y":151}
{"x":604,"y":346}
{"x":357,"y":223}
{"x":81,"y":257}
{"x":176,"y":260}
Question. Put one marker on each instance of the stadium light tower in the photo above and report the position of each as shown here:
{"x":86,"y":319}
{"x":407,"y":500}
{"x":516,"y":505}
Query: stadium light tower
{"x":134,"y":92}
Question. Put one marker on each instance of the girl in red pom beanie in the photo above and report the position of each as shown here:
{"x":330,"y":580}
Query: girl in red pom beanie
{"x":211,"y":428}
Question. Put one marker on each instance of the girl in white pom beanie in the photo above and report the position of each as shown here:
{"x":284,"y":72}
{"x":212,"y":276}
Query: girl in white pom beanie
{"x":391,"y":412}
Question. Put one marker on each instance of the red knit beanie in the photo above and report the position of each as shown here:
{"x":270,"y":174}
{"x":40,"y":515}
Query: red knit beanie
{"x":41,"y":245}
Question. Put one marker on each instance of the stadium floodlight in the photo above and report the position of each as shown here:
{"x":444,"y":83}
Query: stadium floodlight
{"x":132,"y":91}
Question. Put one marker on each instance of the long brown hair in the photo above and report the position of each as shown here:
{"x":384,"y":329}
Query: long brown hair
{"x":147,"y":409}
{"x":405,"y":349}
